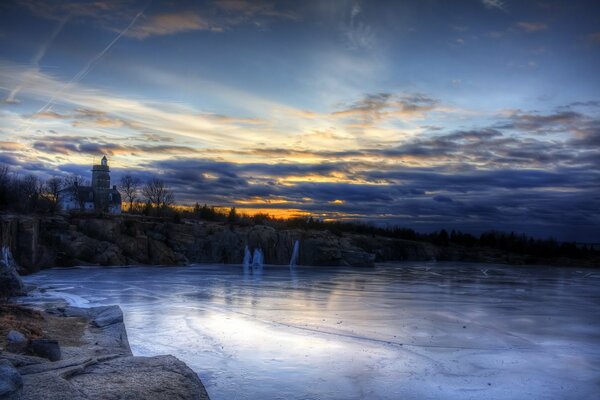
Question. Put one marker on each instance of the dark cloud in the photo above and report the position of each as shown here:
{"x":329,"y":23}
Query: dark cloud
{"x":561,"y":121}
{"x":77,"y":145}
{"x":443,"y":199}
{"x":373,"y":108}
{"x":533,"y":201}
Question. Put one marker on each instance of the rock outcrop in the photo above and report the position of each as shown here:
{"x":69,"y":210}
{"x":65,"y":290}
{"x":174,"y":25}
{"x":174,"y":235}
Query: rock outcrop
{"x":41,"y":242}
{"x":10,"y":281}
{"x":97,"y":364}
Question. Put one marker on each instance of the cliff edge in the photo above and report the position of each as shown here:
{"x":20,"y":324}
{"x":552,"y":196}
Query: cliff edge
{"x":68,"y":240}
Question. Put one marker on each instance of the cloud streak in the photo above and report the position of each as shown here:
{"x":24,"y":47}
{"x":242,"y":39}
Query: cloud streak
{"x":528,"y":26}
{"x":88,"y":67}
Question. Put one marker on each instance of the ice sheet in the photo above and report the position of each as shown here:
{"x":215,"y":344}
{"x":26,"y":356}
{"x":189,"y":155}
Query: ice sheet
{"x":414,"y":331}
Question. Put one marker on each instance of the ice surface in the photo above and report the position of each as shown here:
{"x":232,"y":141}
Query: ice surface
{"x":403,"y":331}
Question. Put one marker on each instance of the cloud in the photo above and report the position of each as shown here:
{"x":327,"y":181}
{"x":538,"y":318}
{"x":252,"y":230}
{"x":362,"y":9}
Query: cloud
{"x":70,"y":145}
{"x":171,"y":23}
{"x":532,"y":26}
{"x":594,"y":37}
{"x":248,"y":9}
{"x":11,"y":146}
{"x":84,"y":117}
{"x":442,"y":199}
{"x":494,"y":4}
{"x":144,"y":117}
{"x":227,"y":14}
{"x":358,"y":34}
{"x":561,"y":121}
{"x":178,"y":18}
{"x":378,"y":107}
{"x":509,"y":198}
{"x":58,"y":9}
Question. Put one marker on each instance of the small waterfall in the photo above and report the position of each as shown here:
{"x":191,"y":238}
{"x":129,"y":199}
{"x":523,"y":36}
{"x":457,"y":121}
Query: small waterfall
{"x":257,"y":259}
{"x":247,"y":259}
{"x":7,"y":258}
{"x":294,"y":259}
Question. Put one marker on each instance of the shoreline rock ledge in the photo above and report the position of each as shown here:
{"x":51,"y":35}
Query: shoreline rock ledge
{"x":96,"y":363}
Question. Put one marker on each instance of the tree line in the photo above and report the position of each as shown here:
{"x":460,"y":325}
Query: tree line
{"x":30,"y":194}
{"x":520,"y":244}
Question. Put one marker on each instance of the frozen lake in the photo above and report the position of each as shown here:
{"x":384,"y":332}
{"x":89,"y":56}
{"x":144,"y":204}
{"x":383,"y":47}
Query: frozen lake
{"x":398,"y":331}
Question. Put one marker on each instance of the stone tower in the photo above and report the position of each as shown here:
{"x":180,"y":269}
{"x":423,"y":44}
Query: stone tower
{"x":101,"y":184}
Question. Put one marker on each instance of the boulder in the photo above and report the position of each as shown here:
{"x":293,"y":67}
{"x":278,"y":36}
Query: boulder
{"x":16,"y":342}
{"x":11,"y":383}
{"x":46,"y":348}
{"x":107,"y":316}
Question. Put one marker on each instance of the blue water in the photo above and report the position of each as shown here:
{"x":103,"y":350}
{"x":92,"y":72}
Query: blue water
{"x":402,"y":331}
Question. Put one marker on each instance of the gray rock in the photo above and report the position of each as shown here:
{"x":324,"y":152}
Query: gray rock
{"x":11,"y":383}
{"x":108,"y":316}
{"x":46,"y":348}
{"x":15,"y":336}
{"x":156,"y":378}
{"x":152,"y":378}
{"x":16,"y":342}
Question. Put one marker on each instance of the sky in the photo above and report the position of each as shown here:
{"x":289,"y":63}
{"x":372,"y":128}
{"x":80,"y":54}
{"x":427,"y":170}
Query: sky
{"x":469,"y":115}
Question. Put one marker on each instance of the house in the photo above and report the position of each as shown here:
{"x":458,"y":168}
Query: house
{"x":97,"y":197}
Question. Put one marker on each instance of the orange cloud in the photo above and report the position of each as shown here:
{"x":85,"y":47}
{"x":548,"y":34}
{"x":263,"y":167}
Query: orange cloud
{"x":532,"y":26}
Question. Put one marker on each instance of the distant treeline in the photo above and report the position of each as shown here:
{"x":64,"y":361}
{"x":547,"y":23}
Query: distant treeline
{"x":507,"y":242}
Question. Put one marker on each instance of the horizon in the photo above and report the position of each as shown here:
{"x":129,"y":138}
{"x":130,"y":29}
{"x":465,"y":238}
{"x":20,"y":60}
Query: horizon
{"x":470,"y":115}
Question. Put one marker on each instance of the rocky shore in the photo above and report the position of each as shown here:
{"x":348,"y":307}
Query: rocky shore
{"x":50,"y":351}
{"x":83,"y":354}
{"x":67,"y":240}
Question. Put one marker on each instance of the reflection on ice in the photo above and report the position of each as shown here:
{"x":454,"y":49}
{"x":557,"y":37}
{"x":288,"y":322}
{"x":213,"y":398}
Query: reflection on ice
{"x":420,"y":330}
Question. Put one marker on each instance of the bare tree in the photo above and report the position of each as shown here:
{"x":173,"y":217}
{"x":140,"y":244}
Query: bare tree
{"x":158,"y":194}
{"x":130,"y":186}
{"x":52,"y":188}
{"x":75,"y":180}
{"x":31,"y":189}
